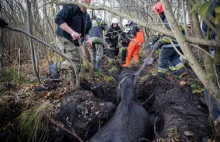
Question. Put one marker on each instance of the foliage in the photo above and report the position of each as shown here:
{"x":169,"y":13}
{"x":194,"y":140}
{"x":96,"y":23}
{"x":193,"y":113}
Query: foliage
{"x":109,"y":80}
{"x":197,"y":88}
{"x":203,"y":10}
{"x":33,"y":123}
{"x":12,"y":74}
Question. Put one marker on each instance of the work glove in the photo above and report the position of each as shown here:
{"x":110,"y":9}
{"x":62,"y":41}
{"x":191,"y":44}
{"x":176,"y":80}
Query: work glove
{"x":149,"y":45}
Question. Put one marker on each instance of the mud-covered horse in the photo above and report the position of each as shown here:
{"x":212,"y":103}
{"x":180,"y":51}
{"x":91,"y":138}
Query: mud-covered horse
{"x":131,"y":122}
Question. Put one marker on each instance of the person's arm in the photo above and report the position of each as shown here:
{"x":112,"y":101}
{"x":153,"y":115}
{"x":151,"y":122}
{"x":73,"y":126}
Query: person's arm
{"x":162,"y":41}
{"x":64,"y":14}
{"x":66,"y":28}
{"x":107,"y":38}
{"x":155,"y":38}
{"x":88,"y":27}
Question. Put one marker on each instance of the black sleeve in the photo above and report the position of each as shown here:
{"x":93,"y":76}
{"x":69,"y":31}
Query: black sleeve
{"x":88,"y":24}
{"x":122,"y":36}
{"x":104,"y":26}
{"x":155,"y":38}
{"x":119,"y":30}
{"x":65,"y":13}
{"x":161,"y":43}
{"x":107,"y":35}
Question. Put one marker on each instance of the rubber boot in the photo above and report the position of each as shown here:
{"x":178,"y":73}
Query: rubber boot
{"x":98,"y":66}
{"x":123,"y":58}
{"x":127,"y":64}
{"x":182,"y":72}
{"x":54,"y":71}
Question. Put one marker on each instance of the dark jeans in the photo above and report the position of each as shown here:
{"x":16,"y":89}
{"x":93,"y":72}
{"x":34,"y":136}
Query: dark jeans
{"x":168,"y":55}
{"x":212,"y":105}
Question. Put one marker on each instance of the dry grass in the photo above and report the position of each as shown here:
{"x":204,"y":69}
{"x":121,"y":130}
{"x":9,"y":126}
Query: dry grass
{"x":32,"y":122}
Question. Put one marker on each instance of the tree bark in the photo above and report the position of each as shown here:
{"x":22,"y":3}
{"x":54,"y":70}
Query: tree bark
{"x":1,"y":49}
{"x":33,"y":54}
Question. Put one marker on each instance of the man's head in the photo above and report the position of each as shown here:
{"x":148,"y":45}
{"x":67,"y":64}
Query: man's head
{"x":158,"y":8}
{"x":83,"y":9}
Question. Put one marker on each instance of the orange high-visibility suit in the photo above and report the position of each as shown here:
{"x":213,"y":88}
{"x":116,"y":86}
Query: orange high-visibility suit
{"x":135,"y":44}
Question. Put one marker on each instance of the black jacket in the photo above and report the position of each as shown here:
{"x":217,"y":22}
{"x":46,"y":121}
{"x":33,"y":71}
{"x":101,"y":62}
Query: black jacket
{"x":77,"y":20}
{"x":111,"y":36}
{"x":96,"y":30}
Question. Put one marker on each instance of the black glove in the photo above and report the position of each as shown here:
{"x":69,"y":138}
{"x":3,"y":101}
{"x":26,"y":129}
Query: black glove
{"x":149,"y":45}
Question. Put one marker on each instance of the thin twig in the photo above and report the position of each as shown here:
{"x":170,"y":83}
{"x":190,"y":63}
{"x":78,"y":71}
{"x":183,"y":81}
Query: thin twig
{"x":143,"y":139}
{"x":43,"y":5}
{"x":155,"y":131}
{"x":201,"y":49}
{"x":62,"y":127}
{"x":19,"y":65}
{"x":148,"y":99}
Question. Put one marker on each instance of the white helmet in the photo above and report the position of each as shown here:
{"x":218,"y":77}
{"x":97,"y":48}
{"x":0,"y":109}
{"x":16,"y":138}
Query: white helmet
{"x":125,"y":22}
{"x":114,"y":21}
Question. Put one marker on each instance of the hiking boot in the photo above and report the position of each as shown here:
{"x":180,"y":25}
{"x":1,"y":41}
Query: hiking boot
{"x":98,"y":66}
{"x":182,"y":72}
{"x":54,"y":71}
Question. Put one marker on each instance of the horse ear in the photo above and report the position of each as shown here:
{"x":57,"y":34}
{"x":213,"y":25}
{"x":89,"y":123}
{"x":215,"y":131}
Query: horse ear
{"x":115,"y":77}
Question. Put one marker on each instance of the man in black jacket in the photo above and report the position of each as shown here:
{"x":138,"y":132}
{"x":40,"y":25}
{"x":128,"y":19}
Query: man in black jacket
{"x":111,"y":37}
{"x":73,"y":21}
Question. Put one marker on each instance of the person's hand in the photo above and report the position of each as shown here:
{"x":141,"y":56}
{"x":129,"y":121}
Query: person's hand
{"x":75,"y":35}
{"x":89,"y":42}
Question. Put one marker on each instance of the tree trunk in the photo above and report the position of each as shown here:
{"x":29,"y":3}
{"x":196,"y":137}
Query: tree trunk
{"x":184,"y":16}
{"x":33,"y":54}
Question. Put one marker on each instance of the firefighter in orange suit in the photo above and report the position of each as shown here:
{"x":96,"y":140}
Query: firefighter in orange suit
{"x":136,"y":37}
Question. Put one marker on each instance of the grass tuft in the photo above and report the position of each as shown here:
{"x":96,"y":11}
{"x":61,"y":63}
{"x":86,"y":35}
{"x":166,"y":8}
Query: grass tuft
{"x":32,"y":122}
